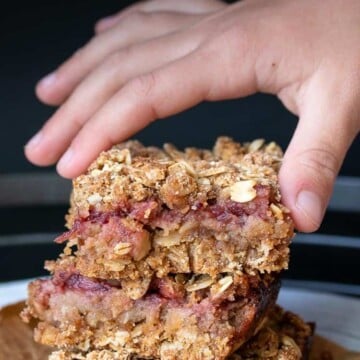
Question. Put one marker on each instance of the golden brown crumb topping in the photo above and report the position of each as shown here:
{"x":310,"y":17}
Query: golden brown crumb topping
{"x":282,"y":336}
{"x":179,"y":179}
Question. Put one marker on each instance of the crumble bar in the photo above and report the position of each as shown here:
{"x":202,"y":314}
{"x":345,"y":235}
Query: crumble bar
{"x":283,"y":336}
{"x":169,"y":254}
{"x":79,"y":314}
{"x":140,"y":211}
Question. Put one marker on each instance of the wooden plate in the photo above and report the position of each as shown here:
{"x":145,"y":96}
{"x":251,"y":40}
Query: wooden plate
{"x":16,"y":342}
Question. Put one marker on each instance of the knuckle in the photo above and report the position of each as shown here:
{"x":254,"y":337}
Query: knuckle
{"x":233,"y":36}
{"x":118,"y":57}
{"x":320,"y":161}
{"x":112,"y":60}
{"x":144,"y":85}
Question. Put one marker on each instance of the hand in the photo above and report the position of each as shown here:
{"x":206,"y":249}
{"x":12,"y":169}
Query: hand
{"x":306,"y":52}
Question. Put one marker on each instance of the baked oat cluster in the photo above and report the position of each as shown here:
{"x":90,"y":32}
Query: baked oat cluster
{"x":169,"y":254}
{"x":283,"y":336}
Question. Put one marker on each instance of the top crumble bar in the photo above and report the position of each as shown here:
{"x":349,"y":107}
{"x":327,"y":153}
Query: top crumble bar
{"x":149,"y":210}
{"x":179,"y":180}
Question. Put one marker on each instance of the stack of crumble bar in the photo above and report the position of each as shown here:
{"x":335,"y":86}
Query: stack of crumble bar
{"x":172,"y":255}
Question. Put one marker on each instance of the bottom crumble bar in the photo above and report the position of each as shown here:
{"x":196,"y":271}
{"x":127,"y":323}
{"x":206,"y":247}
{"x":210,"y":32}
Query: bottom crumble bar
{"x":284,"y":336}
{"x":80,"y":314}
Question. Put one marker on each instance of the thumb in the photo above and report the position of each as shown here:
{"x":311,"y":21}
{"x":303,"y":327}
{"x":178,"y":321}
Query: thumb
{"x":326,"y":128}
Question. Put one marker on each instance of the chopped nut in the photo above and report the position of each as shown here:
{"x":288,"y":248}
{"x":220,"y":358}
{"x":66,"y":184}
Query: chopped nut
{"x":173,"y":152}
{"x":121,"y":156}
{"x":202,"y":283}
{"x":95,"y":172}
{"x":179,"y":258}
{"x":272,"y":147}
{"x":243,"y":191}
{"x":137,"y":331}
{"x":122,"y":248}
{"x":276,"y":211}
{"x":94,"y":199}
{"x":256,"y":145}
{"x":114,"y":265}
{"x":204,"y":181}
{"x":225,"y":148}
{"x":213,"y":171}
{"x":136,"y":289}
{"x":225,"y":283}
{"x":154,"y":175}
{"x":188,"y":167}
{"x":144,"y":247}
{"x":172,"y":239}
{"x":127,"y":157}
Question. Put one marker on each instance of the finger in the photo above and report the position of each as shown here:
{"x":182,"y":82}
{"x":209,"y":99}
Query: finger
{"x":138,"y":27}
{"x":154,"y":95}
{"x":160,"y":93}
{"x":311,"y":163}
{"x":98,"y":87}
{"x":184,"y":6}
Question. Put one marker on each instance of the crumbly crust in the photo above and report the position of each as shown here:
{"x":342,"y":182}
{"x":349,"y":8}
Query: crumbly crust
{"x":283,"y":336}
{"x":141,"y":211}
{"x":180,"y":180}
{"x":103,"y":251}
{"x":84,"y":315}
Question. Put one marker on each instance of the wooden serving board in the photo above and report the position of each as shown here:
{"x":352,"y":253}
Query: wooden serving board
{"x":16,"y":341}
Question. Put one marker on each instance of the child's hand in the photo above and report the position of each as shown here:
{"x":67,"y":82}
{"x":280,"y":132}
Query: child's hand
{"x":145,"y":66}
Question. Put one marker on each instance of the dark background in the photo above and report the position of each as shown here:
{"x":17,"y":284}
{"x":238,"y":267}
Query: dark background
{"x":35,"y":37}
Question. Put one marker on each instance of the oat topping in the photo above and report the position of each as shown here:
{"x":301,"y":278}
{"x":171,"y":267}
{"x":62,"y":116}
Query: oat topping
{"x":180,"y":179}
{"x":144,"y":211}
{"x":243,"y":191}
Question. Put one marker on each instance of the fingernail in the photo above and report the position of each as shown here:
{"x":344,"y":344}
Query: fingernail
{"x":48,"y":80}
{"x":66,"y":159}
{"x":310,"y":204}
{"x":35,"y":140}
